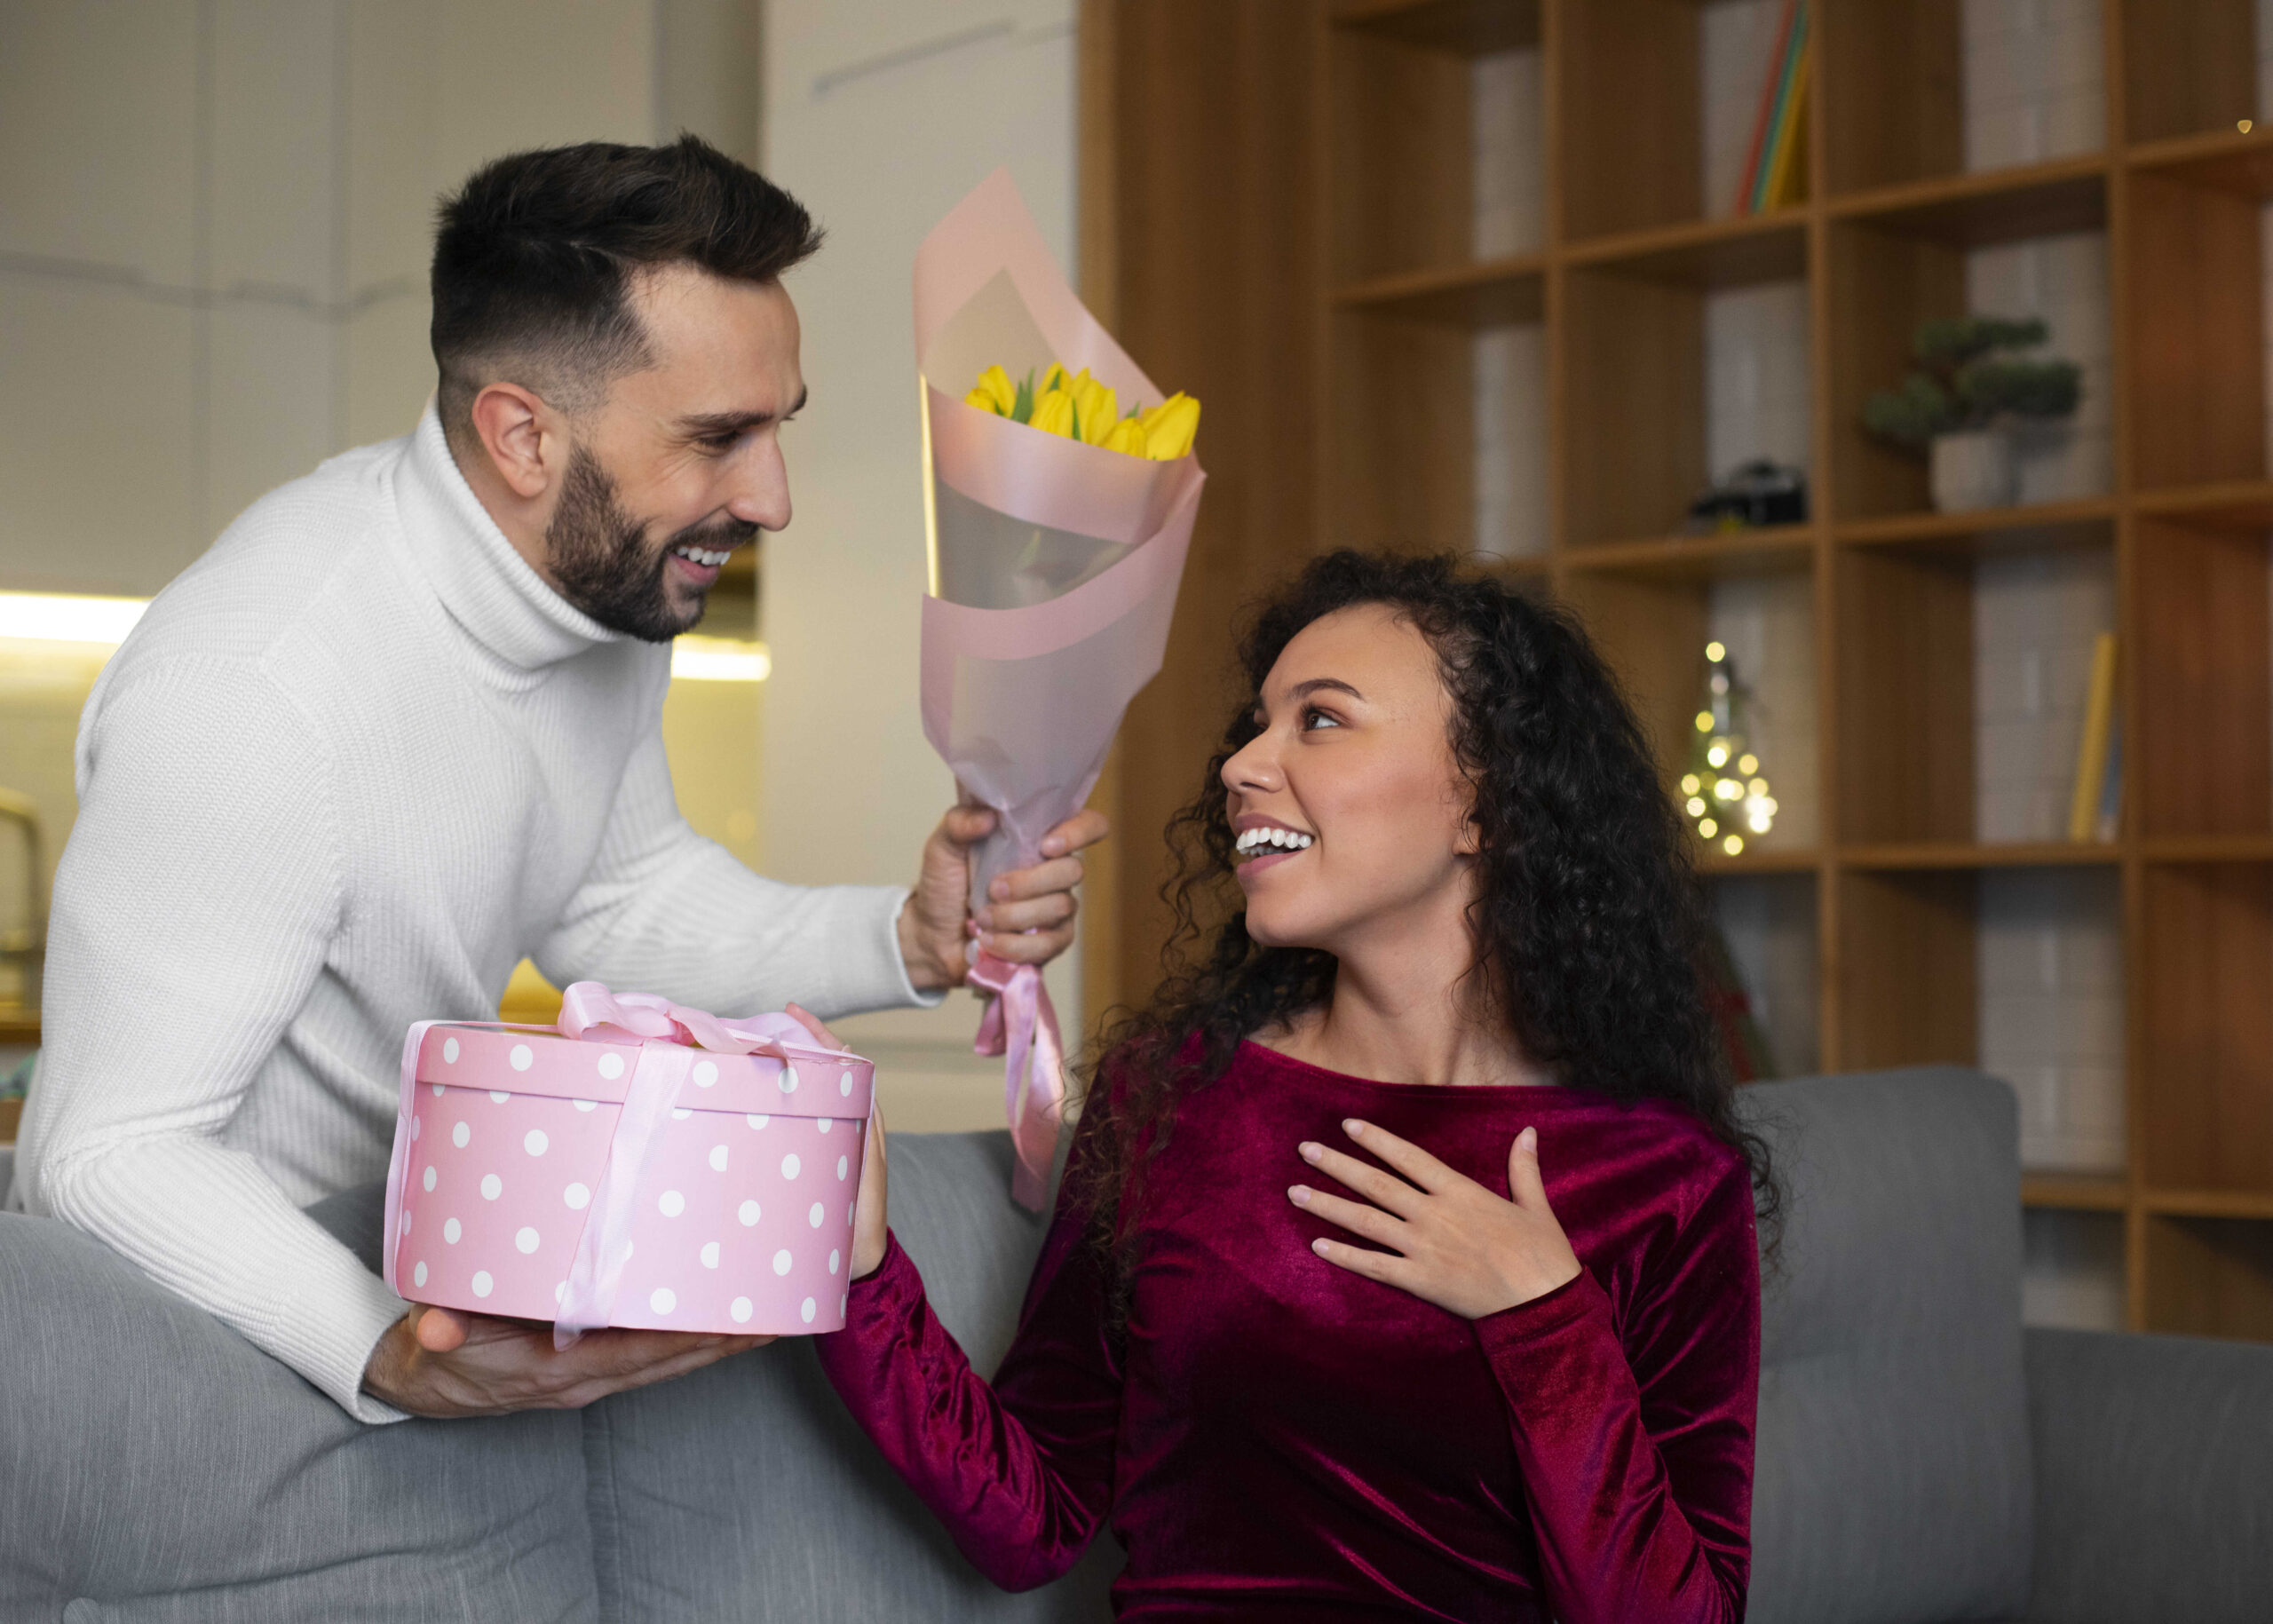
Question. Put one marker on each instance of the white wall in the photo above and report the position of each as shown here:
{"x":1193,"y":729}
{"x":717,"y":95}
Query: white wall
{"x":215,"y":219}
{"x":879,"y":117}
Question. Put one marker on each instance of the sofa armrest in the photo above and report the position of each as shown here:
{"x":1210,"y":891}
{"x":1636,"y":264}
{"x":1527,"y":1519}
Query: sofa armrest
{"x":2154,"y":1478}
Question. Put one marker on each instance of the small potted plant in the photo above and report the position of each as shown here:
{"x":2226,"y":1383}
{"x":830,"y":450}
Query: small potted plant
{"x":1958,"y":407}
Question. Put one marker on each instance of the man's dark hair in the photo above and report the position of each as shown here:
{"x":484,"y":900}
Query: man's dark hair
{"x":534,"y":258}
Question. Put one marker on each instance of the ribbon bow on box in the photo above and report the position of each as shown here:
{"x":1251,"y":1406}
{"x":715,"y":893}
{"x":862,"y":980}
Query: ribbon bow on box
{"x":671,"y":1038}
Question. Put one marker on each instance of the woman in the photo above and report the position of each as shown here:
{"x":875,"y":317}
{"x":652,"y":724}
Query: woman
{"x":1405,"y":1263}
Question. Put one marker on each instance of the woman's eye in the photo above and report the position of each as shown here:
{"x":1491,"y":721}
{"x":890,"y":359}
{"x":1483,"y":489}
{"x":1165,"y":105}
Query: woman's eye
{"x":1313,"y":720}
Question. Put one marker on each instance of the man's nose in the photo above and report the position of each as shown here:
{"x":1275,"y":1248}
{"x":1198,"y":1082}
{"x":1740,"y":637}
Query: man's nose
{"x":762,"y":497}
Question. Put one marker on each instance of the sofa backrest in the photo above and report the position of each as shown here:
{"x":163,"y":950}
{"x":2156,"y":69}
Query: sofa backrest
{"x":156,"y":1465}
{"x":1893,"y":1477}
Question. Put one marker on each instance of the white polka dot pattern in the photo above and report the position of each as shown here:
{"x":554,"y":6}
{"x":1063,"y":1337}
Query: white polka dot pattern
{"x":706,"y":1074}
{"x":723,"y":1246}
{"x":611,"y":1066}
{"x":521,"y":1057}
{"x":662,"y":1299}
{"x":450,"y":1055}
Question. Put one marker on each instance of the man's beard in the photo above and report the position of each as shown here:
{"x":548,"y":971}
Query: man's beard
{"x":604,"y":565}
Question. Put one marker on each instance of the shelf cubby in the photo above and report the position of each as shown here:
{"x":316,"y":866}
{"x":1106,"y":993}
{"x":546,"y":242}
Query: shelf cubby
{"x":2189,"y":65}
{"x":2204,"y":678}
{"x":2208,"y":1277}
{"x":2206,"y":1054}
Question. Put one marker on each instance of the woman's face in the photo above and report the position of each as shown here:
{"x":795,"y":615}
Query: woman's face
{"x":1351,"y":812}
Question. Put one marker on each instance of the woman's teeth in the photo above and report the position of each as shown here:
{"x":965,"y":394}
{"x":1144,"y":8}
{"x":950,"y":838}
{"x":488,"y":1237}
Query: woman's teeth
{"x":703,"y":556}
{"x":1252,"y":841}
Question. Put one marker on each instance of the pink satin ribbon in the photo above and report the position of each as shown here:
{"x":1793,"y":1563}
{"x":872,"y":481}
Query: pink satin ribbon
{"x":1020,"y":1022}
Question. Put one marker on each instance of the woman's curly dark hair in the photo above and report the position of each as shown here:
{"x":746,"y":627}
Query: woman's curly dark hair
{"x":1589,"y":922}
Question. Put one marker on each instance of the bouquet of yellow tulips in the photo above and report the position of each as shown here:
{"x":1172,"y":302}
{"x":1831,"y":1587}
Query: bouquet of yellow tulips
{"x":1053,"y":573}
{"x":1080,"y":408}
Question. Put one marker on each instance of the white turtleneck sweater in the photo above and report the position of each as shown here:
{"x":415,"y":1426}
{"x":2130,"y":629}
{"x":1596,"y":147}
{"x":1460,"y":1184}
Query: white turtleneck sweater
{"x":350,"y":767}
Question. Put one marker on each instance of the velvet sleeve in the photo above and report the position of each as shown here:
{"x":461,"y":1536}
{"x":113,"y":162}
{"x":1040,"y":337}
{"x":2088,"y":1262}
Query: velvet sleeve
{"x":1020,"y":1473}
{"x":1635,"y":1440}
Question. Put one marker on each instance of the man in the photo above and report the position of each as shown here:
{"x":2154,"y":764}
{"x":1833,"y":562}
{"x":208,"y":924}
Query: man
{"x":400,"y":727}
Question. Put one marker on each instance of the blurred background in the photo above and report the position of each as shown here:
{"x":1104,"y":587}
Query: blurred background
{"x":215,"y":224}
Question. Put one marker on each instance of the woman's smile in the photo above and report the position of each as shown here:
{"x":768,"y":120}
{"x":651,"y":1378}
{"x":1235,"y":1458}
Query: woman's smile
{"x":1263,"y":844}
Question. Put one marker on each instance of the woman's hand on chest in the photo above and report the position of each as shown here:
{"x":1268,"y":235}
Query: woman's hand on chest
{"x":1451,"y":1241}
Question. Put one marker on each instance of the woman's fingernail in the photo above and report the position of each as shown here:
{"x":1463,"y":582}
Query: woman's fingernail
{"x":1319,"y":1246}
{"x":1353,"y":1127}
{"x":1299,"y":1194}
{"x":1053,"y":847}
{"x":1311,"y":1152}
{"x":1530,"y":1136}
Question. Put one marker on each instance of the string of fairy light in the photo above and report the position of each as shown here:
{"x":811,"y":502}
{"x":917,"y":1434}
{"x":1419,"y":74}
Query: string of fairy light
{"x":1727,"y":794}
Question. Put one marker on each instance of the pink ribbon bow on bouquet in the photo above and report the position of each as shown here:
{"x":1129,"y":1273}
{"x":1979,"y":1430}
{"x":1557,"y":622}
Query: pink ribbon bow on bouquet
{"x":1020,"y":1022}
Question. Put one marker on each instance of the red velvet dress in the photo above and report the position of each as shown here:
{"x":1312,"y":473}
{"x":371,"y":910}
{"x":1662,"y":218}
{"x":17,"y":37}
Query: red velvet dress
{"x":1273,"y":1436}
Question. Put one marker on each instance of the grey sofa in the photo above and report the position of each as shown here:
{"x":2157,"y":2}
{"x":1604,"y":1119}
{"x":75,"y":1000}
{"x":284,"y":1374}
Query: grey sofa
{"x":1920,"y":1457}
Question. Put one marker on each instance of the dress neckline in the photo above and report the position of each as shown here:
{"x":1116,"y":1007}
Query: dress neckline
{"x":1251,"y":1052}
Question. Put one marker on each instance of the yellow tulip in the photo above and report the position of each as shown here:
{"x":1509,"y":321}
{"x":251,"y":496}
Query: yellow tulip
{"x":1053,"y":414}
{"x":1098,"y":409}
{"x":1126,"y":436}
{"x":1169,"y":426}
{"x":993,"y":393}
{"x":1055,"y":378}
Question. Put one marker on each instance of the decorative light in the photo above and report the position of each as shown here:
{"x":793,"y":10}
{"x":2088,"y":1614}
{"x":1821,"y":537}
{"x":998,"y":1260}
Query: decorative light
{"x":1739,"y":791}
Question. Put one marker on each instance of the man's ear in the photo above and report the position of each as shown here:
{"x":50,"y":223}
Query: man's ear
{"x":522,"y":436}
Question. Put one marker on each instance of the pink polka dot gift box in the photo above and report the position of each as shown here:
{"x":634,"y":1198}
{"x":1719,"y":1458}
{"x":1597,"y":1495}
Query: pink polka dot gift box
{"x":642,"y":1164}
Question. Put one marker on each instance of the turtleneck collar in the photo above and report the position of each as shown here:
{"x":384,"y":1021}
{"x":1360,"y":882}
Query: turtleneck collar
{"x":487,"y":588}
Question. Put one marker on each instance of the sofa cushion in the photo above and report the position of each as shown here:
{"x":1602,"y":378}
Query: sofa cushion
{"x":2154,"y":1497}
{"x":1893,"y":1480}
{"x":745,"y":1492}
{"x":159,"y":1467}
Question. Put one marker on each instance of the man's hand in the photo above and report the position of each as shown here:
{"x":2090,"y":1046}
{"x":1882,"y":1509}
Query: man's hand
{"x":437,"y":1361}
{"x":1028,"y":915}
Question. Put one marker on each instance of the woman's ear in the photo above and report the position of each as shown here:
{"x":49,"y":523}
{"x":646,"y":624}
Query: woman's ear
{"x":1470,"y":841}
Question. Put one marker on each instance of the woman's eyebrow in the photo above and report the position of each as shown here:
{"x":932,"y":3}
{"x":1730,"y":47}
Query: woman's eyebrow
{"x":1304,"y":690}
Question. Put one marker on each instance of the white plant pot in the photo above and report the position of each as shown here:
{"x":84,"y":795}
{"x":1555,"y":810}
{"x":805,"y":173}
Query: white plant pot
{"x":1975,"y":469}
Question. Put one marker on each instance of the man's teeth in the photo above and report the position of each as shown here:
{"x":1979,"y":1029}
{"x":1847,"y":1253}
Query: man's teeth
{"x":703,"y":556}
{"x":1252,"y":841}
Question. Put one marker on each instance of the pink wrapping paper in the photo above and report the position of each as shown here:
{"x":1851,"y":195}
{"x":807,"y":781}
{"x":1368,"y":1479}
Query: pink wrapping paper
{"x":642,"y":1165}
{"x":1054,"y":569}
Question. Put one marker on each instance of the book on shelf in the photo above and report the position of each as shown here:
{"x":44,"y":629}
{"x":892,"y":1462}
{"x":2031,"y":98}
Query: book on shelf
{"x":2094,"y":804}
{"x":1776,"y":167}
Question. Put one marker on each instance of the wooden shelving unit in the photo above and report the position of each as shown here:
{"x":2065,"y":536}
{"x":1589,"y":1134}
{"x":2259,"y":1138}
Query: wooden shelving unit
{"x":1618,"y":290}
